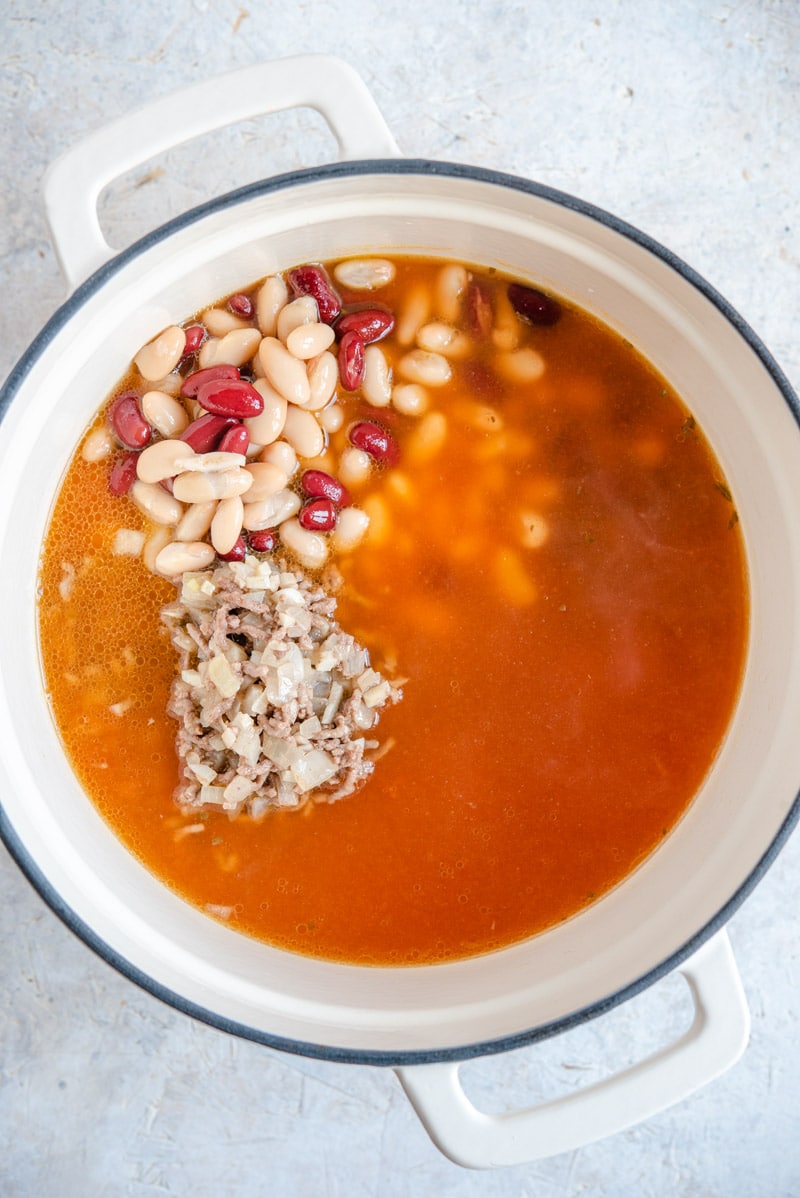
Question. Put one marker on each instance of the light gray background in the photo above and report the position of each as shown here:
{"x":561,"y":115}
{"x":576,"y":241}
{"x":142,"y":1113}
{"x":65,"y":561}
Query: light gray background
{"x":682,"y":118}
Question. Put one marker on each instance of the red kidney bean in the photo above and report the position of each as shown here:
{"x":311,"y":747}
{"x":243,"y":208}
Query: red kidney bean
{"x":230,"y":397}
{"x":371,"y":323}
{"x":532,"y":305}
{"x":126,"y":419}
{"x":478,"y":309}
{"x":235,"y":439}
{"x":203,"y":434}
{"x":313,"y":280}
{"x":122,"y":474}
{"x":351,"y":361}
{"x":195,"y":336}
{"x":262,"y":541}
{"x":378,"y":442}
{"x":318,"y":515}
{"x":241,"y":305}
{"x":236,"y":554}
{"x":193,"y":382}
{"x":316,"y":484}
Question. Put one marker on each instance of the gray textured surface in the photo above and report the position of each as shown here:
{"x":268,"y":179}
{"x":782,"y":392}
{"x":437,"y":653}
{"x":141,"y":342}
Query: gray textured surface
{"x":681,"y":117}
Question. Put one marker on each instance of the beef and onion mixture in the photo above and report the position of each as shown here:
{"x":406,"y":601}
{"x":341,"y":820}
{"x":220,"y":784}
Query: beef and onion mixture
{"x":274,"y":700}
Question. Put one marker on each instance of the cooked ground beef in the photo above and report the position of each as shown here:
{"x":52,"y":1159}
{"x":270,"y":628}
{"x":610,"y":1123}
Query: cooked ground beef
{"x":273,"y":699}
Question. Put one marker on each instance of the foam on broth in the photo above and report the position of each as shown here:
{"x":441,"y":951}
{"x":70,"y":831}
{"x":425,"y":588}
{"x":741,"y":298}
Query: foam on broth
{"x":565,"y":592}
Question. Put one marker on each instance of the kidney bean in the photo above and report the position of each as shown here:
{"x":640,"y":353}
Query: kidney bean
{"x":204,"y":433}
{"x":230,"y":397}
{"x":371,"y":323}
{"x":122,"y":474}
{"x":532,"y":305}
{"x":193,"y":382}
{"x":237,"y":553}
{"x":375,"y":440}
{"x":126,"y":419}
{"x":313,"y":280}
{"x":195,"y":336}
{"x":241,"y":305}
{"x":235,"y":439}
{"x":351,"y":361}
{"x":262,"y":540}
{"x":478,"y":309}
{"x":317,"y":484}
{"x":318,"y":515}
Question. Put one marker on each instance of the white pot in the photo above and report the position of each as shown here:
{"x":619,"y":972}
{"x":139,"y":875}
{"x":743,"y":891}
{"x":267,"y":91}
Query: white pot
{"x":669,"y":912}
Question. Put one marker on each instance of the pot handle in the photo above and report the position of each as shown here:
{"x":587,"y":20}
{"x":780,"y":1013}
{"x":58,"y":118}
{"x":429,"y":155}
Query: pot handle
{"x":73,"y":183}
{"x":716,"y":1039}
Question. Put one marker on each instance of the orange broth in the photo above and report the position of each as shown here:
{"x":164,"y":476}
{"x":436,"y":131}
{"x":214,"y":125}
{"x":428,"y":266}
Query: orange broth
{"x":564,"y":700}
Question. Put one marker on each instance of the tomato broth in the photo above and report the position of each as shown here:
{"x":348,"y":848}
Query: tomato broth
{"x":554,"y":569}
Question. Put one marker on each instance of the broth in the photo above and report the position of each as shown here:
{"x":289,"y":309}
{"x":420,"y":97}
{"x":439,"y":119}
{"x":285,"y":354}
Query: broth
{"x":560,"y":578}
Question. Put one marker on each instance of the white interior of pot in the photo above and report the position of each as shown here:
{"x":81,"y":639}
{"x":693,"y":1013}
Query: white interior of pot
{"x":754,"y":780}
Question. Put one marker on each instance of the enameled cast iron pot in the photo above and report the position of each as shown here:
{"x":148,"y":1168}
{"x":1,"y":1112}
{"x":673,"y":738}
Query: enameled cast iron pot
{"x":669,"y":913}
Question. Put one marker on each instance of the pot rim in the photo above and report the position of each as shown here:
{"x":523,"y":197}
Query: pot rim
{"x":401,"y":166}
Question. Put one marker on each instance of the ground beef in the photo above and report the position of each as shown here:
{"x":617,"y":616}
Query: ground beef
{"x":273,"y":700}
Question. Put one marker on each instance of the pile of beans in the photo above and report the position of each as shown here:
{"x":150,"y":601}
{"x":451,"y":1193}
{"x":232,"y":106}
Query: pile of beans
{"x":222,"y":435}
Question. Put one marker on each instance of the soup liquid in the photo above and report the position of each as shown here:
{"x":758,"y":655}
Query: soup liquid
{"x":564,"y":700}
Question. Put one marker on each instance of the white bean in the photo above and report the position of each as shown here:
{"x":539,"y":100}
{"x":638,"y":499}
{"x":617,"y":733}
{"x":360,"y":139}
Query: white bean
{"x":506,"y":331}
{"x":410,"y":398}
{"x":450,"y":287}
{"x":481,"y":416}
{"x":194,"y":487}
{"x":535,"y":530}
{"x":380,"y":524}
{"x":311,"y":548}
{"x":355,"y":466}
{"x":268,"y":479}
{"x":178,"y":557}
{"x":272,"y":296}
{"x":227,"y":523}
{"x":521,"y":365}
{"x":282,"y":455}
{"x":300,"y":311}
{"x":213,"y":462}
{"x":170,"y":384}
{"x":309,"y":340}
{"x":303,"y":432}
{"x":220,"y":321}
{"x":376,"y":386}
{"x":234,"y":349}
{"x":350,"y":529}
{"x":166,"y":414}
{"x":161,"y":355}
{"x":163,"y":459}
{"x":413,"y":315}
{"x":443,"y":338}
{"x":98,"y":445}
{"x":155,"y":502}
{"x":422,"y":366}
{"x":266,"y":427}
{"x":153,"y":545}
{"x":332,"y":418}
{"x":196,"y":521}
{"x":128,"y":542}
{"x":364,"y":274}
{"x":286,"y":374}
{"x":323,"y":375}
{"x":426,"y":438}
{"x":269,"y":513}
